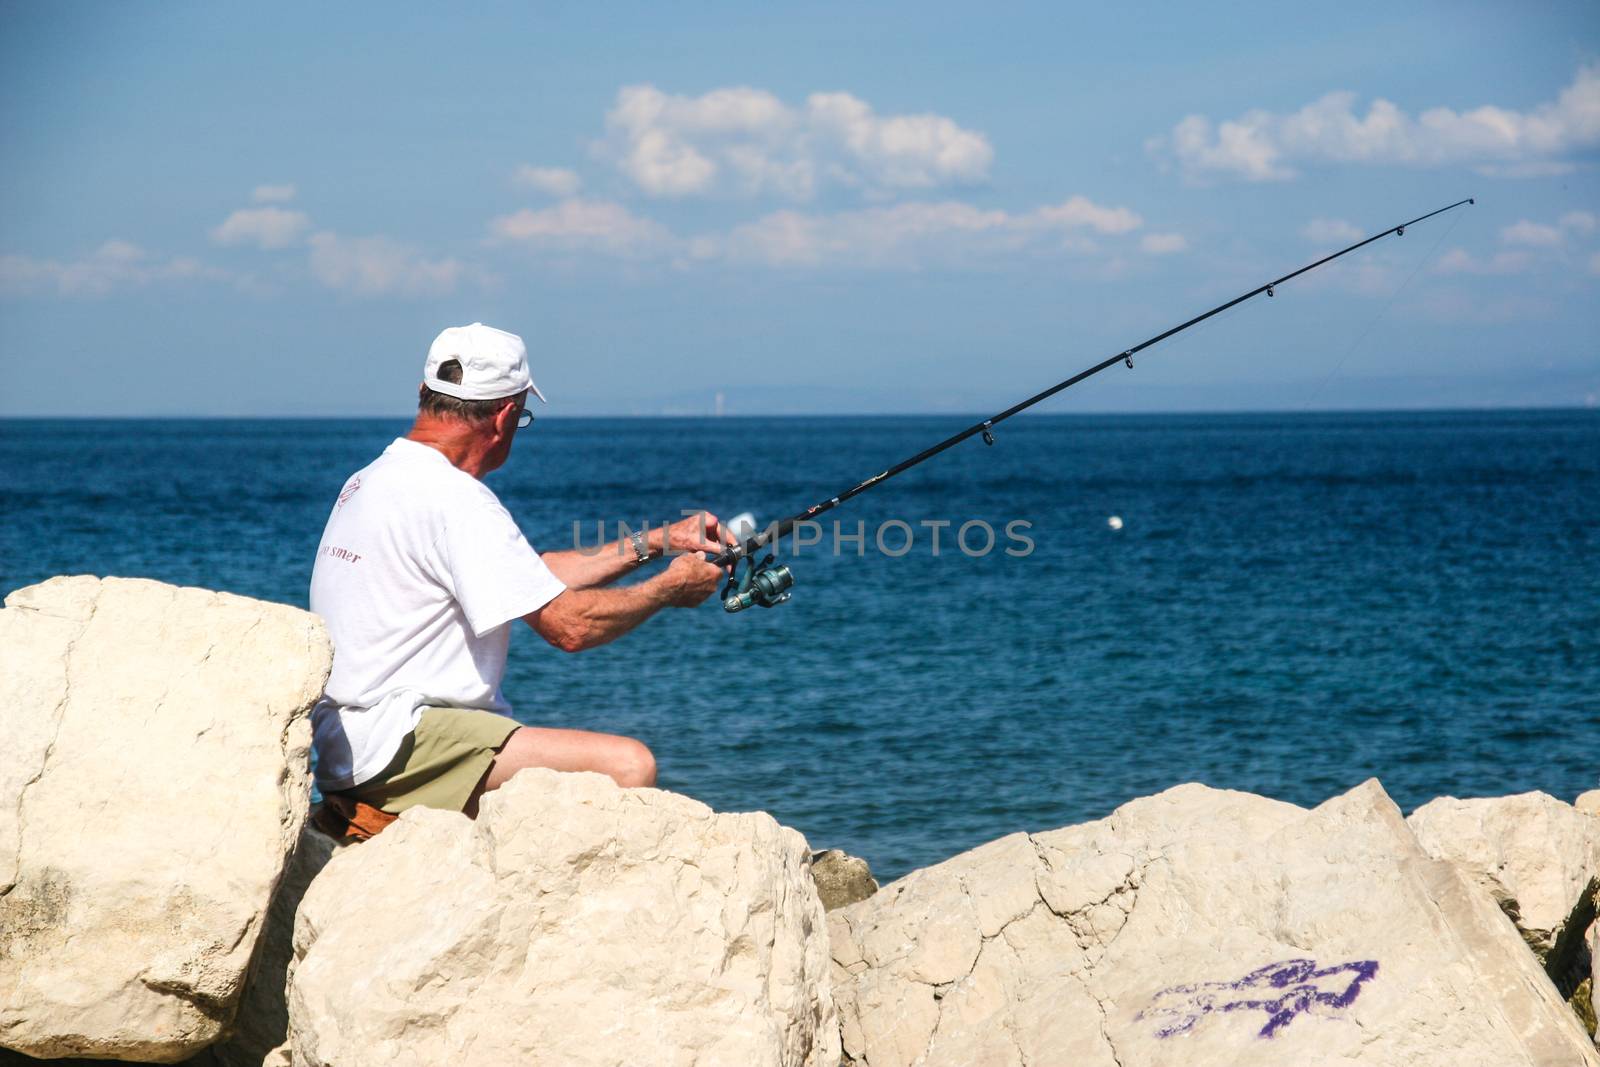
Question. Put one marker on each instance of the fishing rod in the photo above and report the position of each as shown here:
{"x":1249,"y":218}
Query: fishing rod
{"x":767,"y":585}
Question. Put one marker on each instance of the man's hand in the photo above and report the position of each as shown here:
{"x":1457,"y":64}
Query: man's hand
{"x":701,"y":532}
{"x":690,"y":579}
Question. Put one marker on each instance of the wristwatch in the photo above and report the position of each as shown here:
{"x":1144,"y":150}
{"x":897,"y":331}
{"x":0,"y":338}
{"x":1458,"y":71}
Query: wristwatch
{"x":641,"y":551}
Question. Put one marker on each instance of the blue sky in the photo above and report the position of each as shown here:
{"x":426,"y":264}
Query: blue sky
{"x":222,"y":210}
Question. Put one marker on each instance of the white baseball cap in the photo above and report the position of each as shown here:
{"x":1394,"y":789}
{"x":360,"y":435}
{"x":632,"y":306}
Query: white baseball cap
{"x":494,"y":364}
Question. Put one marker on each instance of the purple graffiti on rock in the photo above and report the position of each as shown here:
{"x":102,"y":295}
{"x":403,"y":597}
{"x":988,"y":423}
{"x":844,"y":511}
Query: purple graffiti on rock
{"x":1283,"y":990}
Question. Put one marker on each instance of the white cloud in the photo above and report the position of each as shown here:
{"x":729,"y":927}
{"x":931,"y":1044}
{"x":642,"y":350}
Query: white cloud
{"x":748,"y":141}
{"x":1330,"y":232}
{"x":379,"y":266}
{"x":1078,"y":211}
{"x":1531,"y":244}
{"x":571,"y":225}
{"x":1241,"y":146}
{"x":1460,"y":261}
{"x":114,"y":265}
{"x":1264,"y":146}
{"x":911,"y":235}
{"x":553,"y":181}
{"x":900,"y":151}
{"x":1543,"y":235}
{"x":782,"y":239}
{"x":1163,"y":244}
{"x":265,"y":227}
{"x":1580,"y":222}
{"x":1543,"y":168}
{"x":903,"y":234}
{"x":1534,"y":234}
{"x":272,"y":194}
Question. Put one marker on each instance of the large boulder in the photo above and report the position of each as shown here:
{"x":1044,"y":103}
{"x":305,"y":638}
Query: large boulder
{"x":154,"y":775}
{"x":1539,"y":858}
{"x":1197,"y":927}
{"x":573,"y":923}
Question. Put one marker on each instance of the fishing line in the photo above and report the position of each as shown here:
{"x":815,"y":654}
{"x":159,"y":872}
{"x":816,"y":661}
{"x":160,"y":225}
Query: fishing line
{"x":1381,"y":313}
{"x":767,"y":585}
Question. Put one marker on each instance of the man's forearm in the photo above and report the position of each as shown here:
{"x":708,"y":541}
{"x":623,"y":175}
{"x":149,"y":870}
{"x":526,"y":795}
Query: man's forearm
{"x":587,"y":618}
{"x":593,"y":568}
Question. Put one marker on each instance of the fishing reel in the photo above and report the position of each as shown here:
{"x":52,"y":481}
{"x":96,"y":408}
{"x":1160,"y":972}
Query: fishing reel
{"x":765,"y":583}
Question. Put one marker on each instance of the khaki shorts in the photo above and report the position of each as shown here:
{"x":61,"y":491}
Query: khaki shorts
{"x":439,"y":763}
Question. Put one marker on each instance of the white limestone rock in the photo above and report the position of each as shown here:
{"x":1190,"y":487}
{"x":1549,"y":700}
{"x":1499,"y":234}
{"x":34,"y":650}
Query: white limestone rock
{"x":1197,"y":927}
{"x":153,"y":781}
{"x":1588,"y":803}
{"x":574,"y":923}
{"x":1538,"y":857}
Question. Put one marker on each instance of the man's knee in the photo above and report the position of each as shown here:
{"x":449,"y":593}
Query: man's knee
{"x":633,"y":764}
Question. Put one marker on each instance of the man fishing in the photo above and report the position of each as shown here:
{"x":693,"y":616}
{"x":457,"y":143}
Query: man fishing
{"x":421,"y":576}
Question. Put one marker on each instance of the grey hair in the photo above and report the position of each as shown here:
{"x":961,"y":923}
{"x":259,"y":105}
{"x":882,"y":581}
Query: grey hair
{"x":442,"y":406}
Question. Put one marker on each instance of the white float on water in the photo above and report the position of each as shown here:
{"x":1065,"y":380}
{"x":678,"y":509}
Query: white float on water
{"x":1115,"y":522}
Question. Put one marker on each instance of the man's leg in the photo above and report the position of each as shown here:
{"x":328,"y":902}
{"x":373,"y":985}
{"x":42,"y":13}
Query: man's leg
{"x":629,"y":763}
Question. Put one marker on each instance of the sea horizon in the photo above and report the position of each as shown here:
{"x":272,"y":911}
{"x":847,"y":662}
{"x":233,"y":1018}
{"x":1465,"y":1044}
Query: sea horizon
{"x":973,"y":414}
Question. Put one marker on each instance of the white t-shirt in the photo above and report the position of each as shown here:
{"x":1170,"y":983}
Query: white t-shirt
{"x":419,"y":575}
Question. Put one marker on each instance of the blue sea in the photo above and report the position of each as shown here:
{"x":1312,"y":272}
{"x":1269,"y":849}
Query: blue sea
{"x":1293,"y":603}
